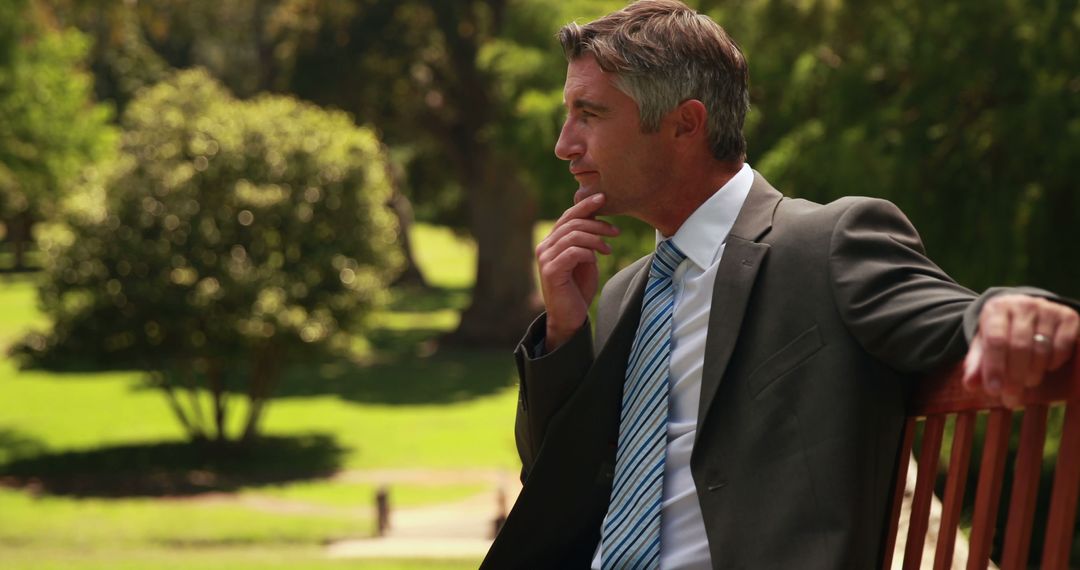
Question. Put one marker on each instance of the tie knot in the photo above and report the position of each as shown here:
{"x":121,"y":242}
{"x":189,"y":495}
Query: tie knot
{"x":667,"y":258}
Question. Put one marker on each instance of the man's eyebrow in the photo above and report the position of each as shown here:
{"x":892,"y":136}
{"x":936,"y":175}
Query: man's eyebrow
{"x":590,"y":105}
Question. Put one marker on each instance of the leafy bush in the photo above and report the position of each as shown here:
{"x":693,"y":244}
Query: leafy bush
{"x":50,"y":128}
{"x":236,"y":234}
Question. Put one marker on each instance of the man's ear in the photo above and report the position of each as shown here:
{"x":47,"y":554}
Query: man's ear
{"x":690,"y":119}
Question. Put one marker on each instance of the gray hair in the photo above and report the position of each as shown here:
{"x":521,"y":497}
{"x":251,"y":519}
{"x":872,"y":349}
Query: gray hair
{"x":663,"y":53}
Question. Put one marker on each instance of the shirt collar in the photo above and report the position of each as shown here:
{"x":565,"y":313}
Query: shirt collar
{"x":707,"y":228}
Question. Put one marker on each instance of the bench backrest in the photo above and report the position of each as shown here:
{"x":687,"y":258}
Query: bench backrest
{"x":939,"y":396}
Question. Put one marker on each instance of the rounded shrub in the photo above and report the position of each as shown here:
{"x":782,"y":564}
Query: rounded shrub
{"x":236,"y":234}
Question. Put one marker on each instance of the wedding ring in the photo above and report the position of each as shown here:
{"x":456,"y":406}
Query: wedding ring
{"x":1041,"y":339}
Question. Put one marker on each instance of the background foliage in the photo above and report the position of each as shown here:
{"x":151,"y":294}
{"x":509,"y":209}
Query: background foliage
{"x":965,"y":114}
{"x":207,"y":180}
{"x":236,"y":234}
{"x":51,"y":130}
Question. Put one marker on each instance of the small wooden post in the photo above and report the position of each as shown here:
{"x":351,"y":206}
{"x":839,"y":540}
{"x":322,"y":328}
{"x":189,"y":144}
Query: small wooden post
{"x":500,"y":510}
{"x":382,"y":510}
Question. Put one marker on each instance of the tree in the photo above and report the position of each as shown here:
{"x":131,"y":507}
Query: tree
{"x":237,"y":234}
{"x":475,"y":89}
{"x":963,"y":113}
{"x":49,"y":127}
{"x":468,"y":93}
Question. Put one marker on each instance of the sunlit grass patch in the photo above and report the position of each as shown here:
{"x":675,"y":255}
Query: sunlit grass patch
{"x":401,"y":406}
{"x":344,"y":494}
{"x":18,"y":308}
{"x":261,"y":557}
{"x":447,"y":258}
{"x":86,"y":523}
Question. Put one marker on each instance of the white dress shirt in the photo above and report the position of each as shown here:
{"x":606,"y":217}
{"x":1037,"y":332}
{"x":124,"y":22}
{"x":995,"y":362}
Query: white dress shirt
{"x":701,"y":237}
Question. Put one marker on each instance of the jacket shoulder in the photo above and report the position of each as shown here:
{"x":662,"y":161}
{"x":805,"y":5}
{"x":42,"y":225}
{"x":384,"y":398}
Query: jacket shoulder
{"x":800,"y":219}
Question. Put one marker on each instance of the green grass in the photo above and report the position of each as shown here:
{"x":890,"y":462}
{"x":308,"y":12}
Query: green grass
{"x":359,"y":495}
{"x":231,"y":558}
{"x":446,"y":258}
{"x":18,"y":307}
{"x":84,"y":523}
{"x":406,"y":406}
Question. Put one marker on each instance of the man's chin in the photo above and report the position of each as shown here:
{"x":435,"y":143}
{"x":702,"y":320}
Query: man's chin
{"x":605,"y":210}
{"x":581,"y":194}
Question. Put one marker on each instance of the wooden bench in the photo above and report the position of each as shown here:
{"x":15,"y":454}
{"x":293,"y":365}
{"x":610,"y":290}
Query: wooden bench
{"x":940,"y":396}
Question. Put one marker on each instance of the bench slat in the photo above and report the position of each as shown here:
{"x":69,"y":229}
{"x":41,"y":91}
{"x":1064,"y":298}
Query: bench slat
{"x":1062,"y":518}
{"x":1025,"y":488}
{"x":906,"y":443}
{"x":933,"y":429}
{"x":959,"y":461}
{"x":988,"y":491}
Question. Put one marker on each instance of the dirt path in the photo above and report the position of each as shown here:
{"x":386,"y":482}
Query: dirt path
{"x":458,"y":529}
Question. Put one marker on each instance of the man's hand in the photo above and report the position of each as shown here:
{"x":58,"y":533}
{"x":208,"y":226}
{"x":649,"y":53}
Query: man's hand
{"x":569,"y":276}
{"x":1020,"y":339}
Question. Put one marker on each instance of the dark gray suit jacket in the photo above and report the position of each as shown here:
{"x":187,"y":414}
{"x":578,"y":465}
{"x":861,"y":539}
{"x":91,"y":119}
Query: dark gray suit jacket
{"x":820,"y":315}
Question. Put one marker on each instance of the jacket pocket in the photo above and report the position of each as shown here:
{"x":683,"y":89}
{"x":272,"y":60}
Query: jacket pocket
{"x":796,"y":352}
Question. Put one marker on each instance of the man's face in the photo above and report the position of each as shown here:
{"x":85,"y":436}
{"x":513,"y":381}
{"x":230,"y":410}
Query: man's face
{"x":603,"y":141}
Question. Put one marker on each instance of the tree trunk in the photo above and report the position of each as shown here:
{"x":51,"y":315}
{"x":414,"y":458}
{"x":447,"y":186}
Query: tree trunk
{"x":19,"y":232}
{"x":187,"y":375}
{"x":262,"y":379}
{"x":504,"y":300}
{"x":161,"y":380}
{"x":216,"y":380}
{"x":402,"y":209}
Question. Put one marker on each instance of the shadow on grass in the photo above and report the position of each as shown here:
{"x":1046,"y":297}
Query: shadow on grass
{"x":14,"y":445}
{"x":174,"y":468}
{"x":415,"y":299}
{"x":447,"y":376}
{"x":19,"y":271}
{"x":406,"y":365}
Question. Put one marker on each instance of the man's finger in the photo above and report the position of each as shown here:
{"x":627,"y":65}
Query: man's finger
{"x":581,"y":239}
{"x":597,"y":227}
{"x":994,"y":328}
{"x":1042,"y":349}
{"x":1018,"y":365}
{"x":558,"y":270}
{"x":1065,"y":339}
{"x":583,"y":209}
{"x":972,"y":377}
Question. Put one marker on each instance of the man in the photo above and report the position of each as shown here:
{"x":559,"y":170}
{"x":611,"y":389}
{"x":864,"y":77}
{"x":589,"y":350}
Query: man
{"x":743,"y":405}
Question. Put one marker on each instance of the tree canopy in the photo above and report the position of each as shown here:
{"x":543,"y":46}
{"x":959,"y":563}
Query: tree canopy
{"x":963,"y":113}
{"x":51,"y":130}
{"x":236,"y":233}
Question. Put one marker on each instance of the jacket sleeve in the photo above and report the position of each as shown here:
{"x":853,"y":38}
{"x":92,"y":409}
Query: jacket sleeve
{"x":546,"y":382}
{"x":899,"y":305}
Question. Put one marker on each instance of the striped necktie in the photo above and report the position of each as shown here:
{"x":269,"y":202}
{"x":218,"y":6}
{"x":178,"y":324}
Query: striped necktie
{"x":631,"y":533}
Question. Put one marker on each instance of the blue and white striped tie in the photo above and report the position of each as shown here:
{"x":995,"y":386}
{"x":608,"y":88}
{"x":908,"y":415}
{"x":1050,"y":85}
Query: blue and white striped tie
{"x":631,"y":533}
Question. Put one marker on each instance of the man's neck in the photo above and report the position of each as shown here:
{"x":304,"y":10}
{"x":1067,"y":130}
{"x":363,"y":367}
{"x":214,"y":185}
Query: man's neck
{"x":687,"y":193}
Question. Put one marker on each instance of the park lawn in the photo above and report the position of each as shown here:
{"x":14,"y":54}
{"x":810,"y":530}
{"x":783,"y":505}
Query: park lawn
{"x":18,"y":307}
{"x":84,"y":524}
{"x":403,"y":406}
{"x":271,"y":557}
{"x":352,"y":495}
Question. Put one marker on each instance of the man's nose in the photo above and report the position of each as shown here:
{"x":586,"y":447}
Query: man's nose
{"x":569,"y":146}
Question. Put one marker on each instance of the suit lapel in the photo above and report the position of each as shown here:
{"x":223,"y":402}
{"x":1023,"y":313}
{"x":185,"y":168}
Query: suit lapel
{"x":629,"y":301}
{"x":735,"y":276}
